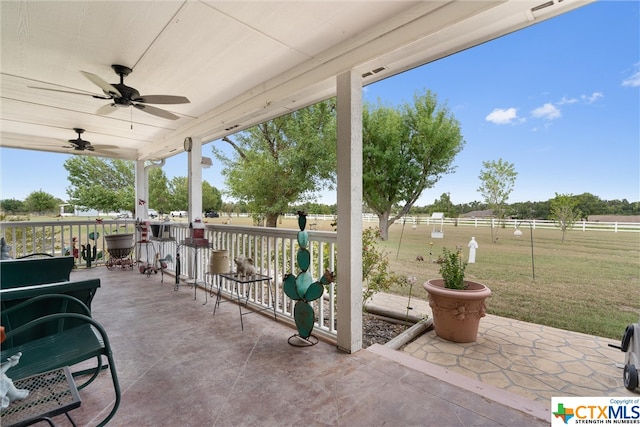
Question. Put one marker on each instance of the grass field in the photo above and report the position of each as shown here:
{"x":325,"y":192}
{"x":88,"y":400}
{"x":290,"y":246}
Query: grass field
{"x":590,"y":283}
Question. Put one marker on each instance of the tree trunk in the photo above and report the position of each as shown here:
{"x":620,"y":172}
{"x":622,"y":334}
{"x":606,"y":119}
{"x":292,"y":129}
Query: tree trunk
{"x":272,"y":220}
{"x":383,"y":225}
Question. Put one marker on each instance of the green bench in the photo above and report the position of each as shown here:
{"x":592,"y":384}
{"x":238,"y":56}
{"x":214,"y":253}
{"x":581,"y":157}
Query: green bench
{"x":34,"y":271}
{"x":51,"y":325}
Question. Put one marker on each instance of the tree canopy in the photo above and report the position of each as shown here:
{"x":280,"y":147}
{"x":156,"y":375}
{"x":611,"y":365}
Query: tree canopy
{"x":41,"y":202}
{"x":108,"y":185}
{"x":283,"y":161}
{"x":159,"y":197}
{"x":405,"y":151}
{"x":12,"y":206}
{"x":101,"y":184}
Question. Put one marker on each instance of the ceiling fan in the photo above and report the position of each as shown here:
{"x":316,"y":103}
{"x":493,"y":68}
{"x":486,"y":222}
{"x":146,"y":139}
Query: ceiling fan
{"x":126,"y":96}
{"x":80,"y":144}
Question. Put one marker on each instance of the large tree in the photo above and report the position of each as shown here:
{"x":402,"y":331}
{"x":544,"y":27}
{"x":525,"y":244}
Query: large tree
{"x":283,"y":161}
{"x":12,"y":206}
{"x":211,"y":197}
{"x":444,"y":204}
{"x":179,"y":193}
{"x":159,"y":191}
{"x":101,"y":184}
{"x":405,"y":151}
{"x":497,"y":181}
{"x":590,"y":204}
{"x":41,"y":202}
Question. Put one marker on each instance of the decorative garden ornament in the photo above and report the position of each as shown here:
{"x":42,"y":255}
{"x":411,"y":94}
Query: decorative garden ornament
{"x":473,"y":245}
{"x":303,"y":289}
{"x":8,"y":391}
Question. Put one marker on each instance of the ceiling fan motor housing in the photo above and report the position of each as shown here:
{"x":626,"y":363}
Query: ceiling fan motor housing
{"x":128,"y":94}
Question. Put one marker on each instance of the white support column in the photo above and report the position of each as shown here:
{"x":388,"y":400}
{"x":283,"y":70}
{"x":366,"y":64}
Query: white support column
{"x":141,"y":190}
{"x":349,"y":177}
{"x":195,"y":179}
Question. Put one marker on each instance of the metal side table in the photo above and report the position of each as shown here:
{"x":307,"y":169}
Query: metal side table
{"x":249,"y":281}
{"x":51,"y":393}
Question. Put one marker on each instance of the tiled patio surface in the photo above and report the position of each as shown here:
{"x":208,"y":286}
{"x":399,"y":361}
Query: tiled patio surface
{"x":533,"y":361}
{"x":179,"y":366}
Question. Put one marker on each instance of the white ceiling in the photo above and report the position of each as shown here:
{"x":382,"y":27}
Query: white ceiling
{"x":239,"y":62}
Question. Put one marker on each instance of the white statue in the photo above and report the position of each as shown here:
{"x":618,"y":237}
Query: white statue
{"x":8,"y":391}
{"x":473,"y":245}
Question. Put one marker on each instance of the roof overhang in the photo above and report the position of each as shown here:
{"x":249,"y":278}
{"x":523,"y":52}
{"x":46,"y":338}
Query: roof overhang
{"x":240,"y":63}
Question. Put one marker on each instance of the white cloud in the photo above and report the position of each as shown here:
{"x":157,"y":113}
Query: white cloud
{"x":566,"y":100}
{"x":501,"y":116}
{"x":547,"y":111}
{"x":593,"y":97}
{"x":633,"y":80}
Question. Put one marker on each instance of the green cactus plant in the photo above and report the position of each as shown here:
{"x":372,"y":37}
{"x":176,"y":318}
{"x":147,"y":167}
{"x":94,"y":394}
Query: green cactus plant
{"x":88,"y":255}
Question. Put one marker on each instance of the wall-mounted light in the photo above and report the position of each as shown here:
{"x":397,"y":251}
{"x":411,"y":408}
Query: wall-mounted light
{"x":206,"y":162}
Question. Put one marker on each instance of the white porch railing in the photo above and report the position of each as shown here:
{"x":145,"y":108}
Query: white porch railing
{"x":273,"y":251}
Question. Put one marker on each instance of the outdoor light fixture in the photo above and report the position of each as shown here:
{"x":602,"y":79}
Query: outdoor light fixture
{"x":206,"y":162}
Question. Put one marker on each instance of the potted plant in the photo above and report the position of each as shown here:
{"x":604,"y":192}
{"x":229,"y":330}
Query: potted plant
{"x":457,"y":304}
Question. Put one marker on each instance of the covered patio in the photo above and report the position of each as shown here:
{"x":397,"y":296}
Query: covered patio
{"x":179,"y":365}
{"x":239,"y":64}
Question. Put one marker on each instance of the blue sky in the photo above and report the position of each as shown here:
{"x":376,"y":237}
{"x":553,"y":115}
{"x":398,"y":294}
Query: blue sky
{"x":560,"y":100}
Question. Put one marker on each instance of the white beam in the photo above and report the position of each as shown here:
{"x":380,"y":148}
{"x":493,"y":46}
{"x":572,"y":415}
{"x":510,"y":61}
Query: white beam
{"x":141,"y":190}
{"x":195,"y":179}
{"x":349,"y":177}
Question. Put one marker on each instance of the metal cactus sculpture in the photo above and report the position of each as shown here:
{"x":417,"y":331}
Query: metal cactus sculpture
{"x":88,"y":255}
{"x":303,"y":289}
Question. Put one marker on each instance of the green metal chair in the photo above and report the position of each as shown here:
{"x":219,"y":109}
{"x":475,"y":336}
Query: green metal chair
{"x":52,"y":341}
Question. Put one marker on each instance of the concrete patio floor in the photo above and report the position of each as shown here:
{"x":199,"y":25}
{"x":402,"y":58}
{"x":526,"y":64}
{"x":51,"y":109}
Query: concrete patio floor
{"x":180,"y":366}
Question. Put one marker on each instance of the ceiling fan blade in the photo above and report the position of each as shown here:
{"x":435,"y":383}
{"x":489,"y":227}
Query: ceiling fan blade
{"x":156,"y":111}
{"x":76,"y":147}
{"x":106,"y":109}
{"x":105,"y":147}
{"x":162,"y":99}
{"x":106,"y":87}
{"x":69,"y":91}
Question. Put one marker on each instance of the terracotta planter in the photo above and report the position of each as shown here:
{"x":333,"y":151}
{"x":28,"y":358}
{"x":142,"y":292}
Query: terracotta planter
{"x":457,"y":313}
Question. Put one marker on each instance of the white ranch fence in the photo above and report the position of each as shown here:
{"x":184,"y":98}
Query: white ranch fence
{"x":613,"y":226}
